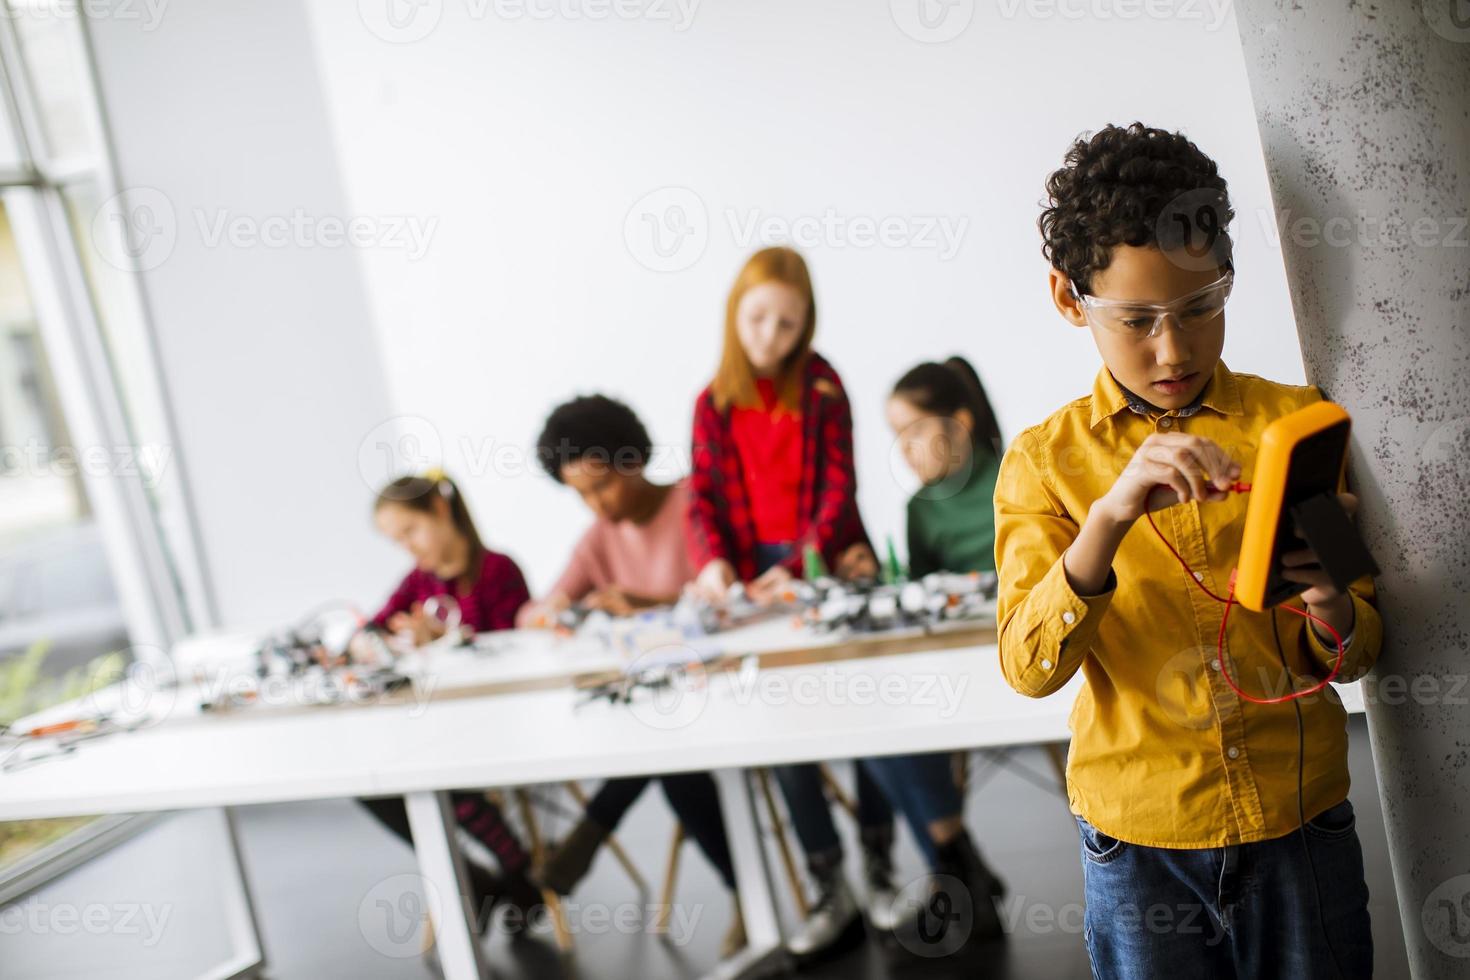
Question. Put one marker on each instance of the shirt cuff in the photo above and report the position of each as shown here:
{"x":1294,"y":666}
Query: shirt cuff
{"x":1068,"y":624}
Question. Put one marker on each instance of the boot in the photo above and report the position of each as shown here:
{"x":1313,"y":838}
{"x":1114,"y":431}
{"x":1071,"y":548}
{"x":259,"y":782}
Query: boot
{"x":882,"y":897}
{"x":834,"y":925}
{"x":960,"y":866}
{"x":570,"y":862}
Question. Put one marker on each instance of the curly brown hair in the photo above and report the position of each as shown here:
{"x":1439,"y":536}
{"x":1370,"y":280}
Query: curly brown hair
{"x":1134,"y":186}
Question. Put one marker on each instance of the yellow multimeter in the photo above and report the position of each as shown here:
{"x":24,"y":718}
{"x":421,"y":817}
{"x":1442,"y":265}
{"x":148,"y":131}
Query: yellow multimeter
{"x":1299,"y":466}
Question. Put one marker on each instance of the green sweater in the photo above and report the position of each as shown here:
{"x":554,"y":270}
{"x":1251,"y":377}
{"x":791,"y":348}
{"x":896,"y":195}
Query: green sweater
{"x":953,"y":529}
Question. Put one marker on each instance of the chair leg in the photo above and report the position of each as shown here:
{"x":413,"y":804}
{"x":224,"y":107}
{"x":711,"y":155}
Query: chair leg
{"x":783,"y":845}
{"x":960,"y":765}
{"x":580,"y":795}
{"x":837,"y":792}
{"x":671,"y":878}
{"x":538,"y":853}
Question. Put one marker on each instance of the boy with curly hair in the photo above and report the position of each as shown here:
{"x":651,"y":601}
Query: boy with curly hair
{"x":1216,"y":835}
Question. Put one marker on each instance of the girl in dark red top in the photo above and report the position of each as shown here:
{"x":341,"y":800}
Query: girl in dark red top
{"x":773,"y":474}
{"x":427,"y":516}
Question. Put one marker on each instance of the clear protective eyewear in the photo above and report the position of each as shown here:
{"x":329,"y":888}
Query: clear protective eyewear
{"x":1142,"y":321}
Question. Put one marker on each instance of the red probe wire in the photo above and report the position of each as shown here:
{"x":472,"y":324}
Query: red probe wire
{"x":1229,"y":600}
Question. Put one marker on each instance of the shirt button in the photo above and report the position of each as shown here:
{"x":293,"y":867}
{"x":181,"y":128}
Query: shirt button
{"x":1165,"y":422}
{"x":1069,"y":617}
{"x":1215,"y":663}
{"x":1233,"y":752}
{"x":1046,"y":665}
{"x":1199,"y":576}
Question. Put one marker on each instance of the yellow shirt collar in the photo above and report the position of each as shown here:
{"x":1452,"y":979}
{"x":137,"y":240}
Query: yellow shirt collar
{"x":1221,"y":394}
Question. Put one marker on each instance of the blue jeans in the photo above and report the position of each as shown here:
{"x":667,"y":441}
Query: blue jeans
{"x":923,"y":787}
{"x":1249,"y":910}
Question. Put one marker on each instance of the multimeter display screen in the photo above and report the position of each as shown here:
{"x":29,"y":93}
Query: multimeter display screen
{"x":1316,"y":465}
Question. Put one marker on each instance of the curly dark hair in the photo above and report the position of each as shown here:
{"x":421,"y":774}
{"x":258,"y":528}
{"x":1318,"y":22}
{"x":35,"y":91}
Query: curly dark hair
{"x":596,"y":427}
{"x":1134,"y":186}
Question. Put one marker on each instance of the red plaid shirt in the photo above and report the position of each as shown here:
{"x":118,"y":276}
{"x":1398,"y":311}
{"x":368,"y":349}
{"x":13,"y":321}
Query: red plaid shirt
{"x":720,"y":521}
{"x":490,"y":604}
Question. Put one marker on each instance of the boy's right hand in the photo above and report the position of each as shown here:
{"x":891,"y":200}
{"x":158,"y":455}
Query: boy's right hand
{"x":1170,"y":468}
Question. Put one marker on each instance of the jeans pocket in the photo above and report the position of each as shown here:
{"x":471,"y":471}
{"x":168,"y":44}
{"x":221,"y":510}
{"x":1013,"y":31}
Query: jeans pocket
{"x":1334,"y":823}
{"x":1098,"y":847}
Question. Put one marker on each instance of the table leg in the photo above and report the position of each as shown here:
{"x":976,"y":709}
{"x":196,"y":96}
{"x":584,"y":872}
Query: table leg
{"x":431,"y":818}
{"x":765,"y":949}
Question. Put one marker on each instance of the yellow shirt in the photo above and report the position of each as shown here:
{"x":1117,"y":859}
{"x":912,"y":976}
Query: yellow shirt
{"x":1163,"y":752}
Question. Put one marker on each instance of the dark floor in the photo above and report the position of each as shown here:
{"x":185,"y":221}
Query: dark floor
{"x":334,"y":892}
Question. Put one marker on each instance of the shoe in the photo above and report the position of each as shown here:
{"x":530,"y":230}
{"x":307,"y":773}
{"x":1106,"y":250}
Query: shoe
{"x":734,"y":940}
{"x":882,"y":897}
{"x":570,"y":862}
{"x":834,"y":924}
{"x":960,"y":866}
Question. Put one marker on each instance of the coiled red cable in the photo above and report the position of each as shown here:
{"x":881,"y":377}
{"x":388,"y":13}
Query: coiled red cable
{"x":1229,"y":601}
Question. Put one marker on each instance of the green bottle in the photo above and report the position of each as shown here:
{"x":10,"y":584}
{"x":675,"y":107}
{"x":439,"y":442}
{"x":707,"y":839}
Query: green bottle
{"x":893,"y":572}
{"x":813,"y":567}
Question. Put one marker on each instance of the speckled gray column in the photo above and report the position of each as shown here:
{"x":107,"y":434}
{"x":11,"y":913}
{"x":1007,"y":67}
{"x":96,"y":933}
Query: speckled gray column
{"x":1364,"y":113}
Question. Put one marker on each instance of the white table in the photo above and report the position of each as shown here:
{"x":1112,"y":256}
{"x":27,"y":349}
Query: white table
{"x":913,"y":702}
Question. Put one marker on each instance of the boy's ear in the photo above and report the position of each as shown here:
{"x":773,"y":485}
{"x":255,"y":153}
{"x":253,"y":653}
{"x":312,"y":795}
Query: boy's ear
{"x":1065,"y":299}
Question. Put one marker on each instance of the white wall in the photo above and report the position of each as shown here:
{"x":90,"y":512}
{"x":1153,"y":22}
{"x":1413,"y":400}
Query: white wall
{"x":520,"y":146}
{"x":274,"y":374}
{"x":529,"y":140}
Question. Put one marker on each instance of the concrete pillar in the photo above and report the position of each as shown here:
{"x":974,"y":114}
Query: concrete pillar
{"x":1364,"y":114}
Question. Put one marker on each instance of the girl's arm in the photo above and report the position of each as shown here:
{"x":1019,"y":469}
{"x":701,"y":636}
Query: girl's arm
{"x":508,"y":593}
{"x":837,"y":523}
{"x":401,"y":601}
{"x":705,"y":537}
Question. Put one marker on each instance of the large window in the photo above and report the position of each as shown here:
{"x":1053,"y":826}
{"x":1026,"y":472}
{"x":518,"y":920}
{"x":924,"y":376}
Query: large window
{"x":98,"y":572}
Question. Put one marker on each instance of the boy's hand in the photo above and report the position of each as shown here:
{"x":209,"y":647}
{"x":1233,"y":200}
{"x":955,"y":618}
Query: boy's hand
{"x":611,"y":600}
{"x":1170,"y":468}
{"x":1322,"y":597}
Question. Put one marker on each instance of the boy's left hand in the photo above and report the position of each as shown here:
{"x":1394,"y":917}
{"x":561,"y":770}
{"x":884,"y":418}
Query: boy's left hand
{"x":1322,"y":597}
